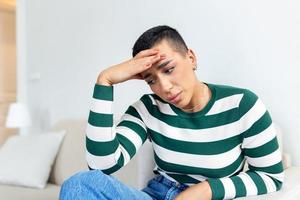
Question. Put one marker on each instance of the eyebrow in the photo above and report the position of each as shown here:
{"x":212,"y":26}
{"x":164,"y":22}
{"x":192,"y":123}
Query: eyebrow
{"x":162,"y":65}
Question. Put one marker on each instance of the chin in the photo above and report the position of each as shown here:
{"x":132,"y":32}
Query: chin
{"x":184,"y":104}
{"x":181,"y":104}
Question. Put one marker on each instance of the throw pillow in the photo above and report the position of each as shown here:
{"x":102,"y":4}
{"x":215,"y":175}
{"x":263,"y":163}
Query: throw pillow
{"x":27,"y":160}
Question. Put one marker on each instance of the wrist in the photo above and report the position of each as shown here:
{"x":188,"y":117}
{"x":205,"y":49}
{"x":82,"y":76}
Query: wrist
{"x":208,"y":189}
{"x":103,"y":80}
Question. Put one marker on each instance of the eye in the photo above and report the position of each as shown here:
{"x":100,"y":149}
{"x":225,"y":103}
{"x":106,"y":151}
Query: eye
{"x":169,"y":70}
{"x":150,"y":82}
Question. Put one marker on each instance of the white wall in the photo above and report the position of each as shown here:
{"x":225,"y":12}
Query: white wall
{"x":253,"y":44}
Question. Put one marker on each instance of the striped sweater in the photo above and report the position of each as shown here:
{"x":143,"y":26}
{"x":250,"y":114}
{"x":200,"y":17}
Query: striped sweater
{"x":212,"y":144}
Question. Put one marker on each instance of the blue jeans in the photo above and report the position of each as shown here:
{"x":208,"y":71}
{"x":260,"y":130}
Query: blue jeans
{"x":94,"y":184}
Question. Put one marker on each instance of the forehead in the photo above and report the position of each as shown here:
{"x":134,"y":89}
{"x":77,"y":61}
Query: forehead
{"x":164,"y":47}
{"x":171,"y":56}
{"x":170,"y":50}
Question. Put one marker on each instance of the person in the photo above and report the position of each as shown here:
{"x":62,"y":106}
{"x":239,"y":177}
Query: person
{"x":202,"y":134}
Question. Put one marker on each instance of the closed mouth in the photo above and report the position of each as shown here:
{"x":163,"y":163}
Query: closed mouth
{"x":172,"y":98}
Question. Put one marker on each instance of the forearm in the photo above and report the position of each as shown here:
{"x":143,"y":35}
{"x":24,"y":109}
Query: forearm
{"x":101,"y":144}
{"x":109,"y":148}
{"x":245,"y":184}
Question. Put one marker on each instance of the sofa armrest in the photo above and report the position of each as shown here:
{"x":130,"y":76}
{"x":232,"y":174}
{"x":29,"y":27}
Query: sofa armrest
{"x":286,"y":160}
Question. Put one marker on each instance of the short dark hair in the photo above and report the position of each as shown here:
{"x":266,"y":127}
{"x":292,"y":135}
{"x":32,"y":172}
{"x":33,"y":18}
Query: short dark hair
{"x":155,"y":35}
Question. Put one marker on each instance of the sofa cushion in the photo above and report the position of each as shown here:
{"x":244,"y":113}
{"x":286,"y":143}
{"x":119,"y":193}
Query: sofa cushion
{"x":71,"y":157}
{"x":9,"y":192}
{"x":27,"y":160}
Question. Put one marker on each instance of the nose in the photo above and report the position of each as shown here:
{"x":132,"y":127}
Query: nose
{"x":165,"y":84}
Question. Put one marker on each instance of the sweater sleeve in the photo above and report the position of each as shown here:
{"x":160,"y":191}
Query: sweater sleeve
{"x":261,"y":150}
{"x":110,"y":147}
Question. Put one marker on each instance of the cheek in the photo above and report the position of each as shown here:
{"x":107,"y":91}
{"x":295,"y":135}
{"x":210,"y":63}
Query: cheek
{"x":155,"y":89}
{"x":179,"y":78}
{"x":187,"y":77}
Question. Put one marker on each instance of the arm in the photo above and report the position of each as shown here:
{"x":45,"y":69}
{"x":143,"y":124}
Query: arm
{"x":109,"y":148}
{"x":261,"y":151}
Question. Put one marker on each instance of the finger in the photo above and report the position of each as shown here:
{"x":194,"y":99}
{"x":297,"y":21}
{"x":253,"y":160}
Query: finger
{"x":146,"y":63}
{"x":147,"y":52}
{"x":137,"y":66}
{"x":149,"y":60}
{"x":154,"y":59}
{"x":157,"y":58}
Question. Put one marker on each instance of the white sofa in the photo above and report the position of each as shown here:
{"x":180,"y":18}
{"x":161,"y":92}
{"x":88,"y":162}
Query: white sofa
{"x":71,"y":159}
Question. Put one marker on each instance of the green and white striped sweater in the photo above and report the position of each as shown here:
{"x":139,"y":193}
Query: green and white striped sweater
{"x":211,"y":144}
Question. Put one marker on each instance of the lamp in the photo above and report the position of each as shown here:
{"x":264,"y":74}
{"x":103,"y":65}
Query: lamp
{"x":18,"y":116}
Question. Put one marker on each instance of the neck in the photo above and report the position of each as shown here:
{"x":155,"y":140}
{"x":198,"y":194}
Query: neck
{"x":201,"y":97}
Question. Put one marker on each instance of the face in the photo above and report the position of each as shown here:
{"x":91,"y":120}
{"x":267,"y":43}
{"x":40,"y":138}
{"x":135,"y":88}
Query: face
{"x":173,"y":78}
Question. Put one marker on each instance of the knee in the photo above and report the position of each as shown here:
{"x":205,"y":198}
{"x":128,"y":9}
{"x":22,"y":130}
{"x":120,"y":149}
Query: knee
{"x":75,"y":180}
{"x":82,"y":184}
{"x":82,"y":178}
{"x":71,"y":182}
{"x":77,"y":185}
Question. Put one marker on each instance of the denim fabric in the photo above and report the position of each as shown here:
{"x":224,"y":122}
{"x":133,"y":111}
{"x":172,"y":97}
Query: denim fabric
{"x":161,"y":188}
{"x":94,"y":184}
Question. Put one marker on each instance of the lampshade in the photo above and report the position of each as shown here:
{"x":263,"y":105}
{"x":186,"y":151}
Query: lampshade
{"x":18,"y":116}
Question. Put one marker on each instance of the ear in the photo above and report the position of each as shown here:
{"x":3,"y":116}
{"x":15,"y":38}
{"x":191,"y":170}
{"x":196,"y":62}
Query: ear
{"x":192,"y":57}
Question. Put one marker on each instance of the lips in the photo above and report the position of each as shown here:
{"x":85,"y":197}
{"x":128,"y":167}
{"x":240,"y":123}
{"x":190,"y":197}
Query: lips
{"x":174,"y":98}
